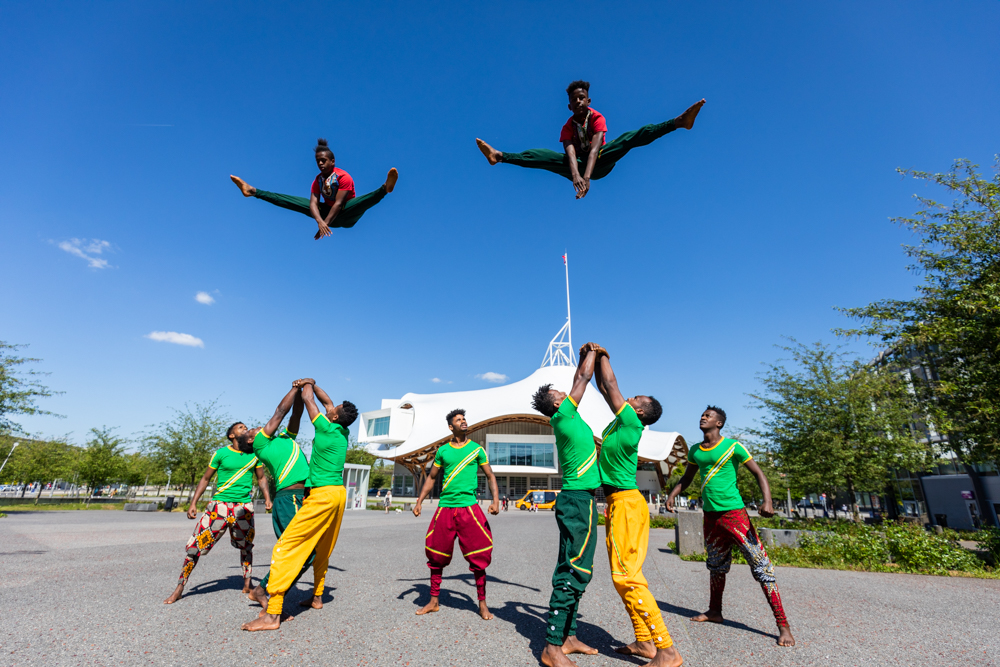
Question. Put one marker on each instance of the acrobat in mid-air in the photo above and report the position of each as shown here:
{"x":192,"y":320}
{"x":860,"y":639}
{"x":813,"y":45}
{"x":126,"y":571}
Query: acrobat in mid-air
{"x":339,"y":207}
{"x":587,"y":154}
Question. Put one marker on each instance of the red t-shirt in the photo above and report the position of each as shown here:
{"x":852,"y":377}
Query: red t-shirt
{"x":328,"y":187}
{"x":582,"y":136}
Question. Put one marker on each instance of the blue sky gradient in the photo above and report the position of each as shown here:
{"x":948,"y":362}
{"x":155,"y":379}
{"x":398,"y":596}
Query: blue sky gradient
{"x":121,"y":122}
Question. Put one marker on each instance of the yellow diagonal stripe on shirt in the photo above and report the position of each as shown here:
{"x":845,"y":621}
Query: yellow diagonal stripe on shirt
{"x":586,"y":464}
{"x":459,"y":468}
{"x":242,"y":471}
{"x":718,"y":466}
{"x":291,"y":462}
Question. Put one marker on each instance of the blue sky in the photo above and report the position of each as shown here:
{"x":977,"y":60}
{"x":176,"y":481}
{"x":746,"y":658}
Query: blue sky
{"x":121,"y":122}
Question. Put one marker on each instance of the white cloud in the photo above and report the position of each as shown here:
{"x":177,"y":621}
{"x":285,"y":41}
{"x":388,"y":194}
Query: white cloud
{"x":175,"y":338}
{"x":440,"y":381}
{"x":88,"y":250}
{"x":493,"y":377}
{"x":205,"y":298}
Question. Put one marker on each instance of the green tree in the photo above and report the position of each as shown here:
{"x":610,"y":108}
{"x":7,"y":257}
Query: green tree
{"x":103,"y":458}
{"x":37,"y":461}
{"x":185,"y":444}
{"x":954,"y":319}
{"x":19,"y":389}
{"x":833,"y":422}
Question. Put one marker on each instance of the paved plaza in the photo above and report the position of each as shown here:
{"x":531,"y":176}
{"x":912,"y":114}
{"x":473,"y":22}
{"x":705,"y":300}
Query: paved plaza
{"x":86,"y":588}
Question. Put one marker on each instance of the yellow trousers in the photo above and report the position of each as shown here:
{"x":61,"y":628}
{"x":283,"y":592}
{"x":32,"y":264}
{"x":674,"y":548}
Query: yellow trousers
{"x":627,"y":527}
{"x":315,"y":526}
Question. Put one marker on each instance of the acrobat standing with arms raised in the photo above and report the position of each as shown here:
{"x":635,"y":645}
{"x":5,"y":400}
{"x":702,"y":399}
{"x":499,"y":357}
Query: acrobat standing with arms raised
{"x":458,"y":514}
{"x":339,"y":206}
{"x":587,"y":155}
{"x":727,"y":524}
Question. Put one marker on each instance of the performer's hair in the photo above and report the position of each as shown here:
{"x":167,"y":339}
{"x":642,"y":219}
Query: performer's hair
{"x":718,"y":411}
{"x":348,"y":413}
{"x":651,"y":412}
{"x":322,"y":147}
{"x":454,"y":413}
{"x":578,"y":84}
{"x":229,"y":431}
{"x":542,"y":401}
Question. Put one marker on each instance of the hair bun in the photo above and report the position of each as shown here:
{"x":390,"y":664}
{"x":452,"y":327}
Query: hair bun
{"x":321,"y":142}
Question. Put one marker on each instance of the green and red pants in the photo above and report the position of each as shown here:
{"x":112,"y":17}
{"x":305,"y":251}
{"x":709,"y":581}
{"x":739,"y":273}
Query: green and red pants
{"x":348,"y":216}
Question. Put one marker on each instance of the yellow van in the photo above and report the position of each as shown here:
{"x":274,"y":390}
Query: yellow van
{"x":546,"y":500}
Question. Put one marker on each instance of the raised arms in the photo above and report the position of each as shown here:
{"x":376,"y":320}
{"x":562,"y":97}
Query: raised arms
{"x":584,"y":372}
{"x":607,"y":383}
{"x":279,"y":413}
{"x":307,"y":399}
{"x":298,"y":407}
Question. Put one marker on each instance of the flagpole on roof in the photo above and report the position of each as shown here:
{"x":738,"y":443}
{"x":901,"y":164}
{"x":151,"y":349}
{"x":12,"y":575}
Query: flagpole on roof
{"x":569,"y":322}
{"x":560,"y":351}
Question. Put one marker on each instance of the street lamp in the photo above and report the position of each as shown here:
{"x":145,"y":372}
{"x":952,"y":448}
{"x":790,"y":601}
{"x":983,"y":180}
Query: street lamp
{"x":8,"y":455}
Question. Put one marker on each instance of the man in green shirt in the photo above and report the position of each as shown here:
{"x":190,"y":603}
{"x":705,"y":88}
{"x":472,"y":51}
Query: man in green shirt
{"x":458,"y":514}
{"x":288,"y":467}
{"x":316,"y":525}
{"x":627,"y":516}
{"x":231,"y":507}
{"x":727,"y":523}
{"x":576,"y":510}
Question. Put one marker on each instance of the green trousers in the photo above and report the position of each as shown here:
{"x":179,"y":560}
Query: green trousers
{"x":576,"y":516}
{"x":286,"y":503}
{"x":348,"y":216}
{"x":558,"y":163}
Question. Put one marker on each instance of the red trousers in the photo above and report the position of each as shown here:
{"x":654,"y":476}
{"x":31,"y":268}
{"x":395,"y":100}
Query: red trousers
{"x":470,"y":526}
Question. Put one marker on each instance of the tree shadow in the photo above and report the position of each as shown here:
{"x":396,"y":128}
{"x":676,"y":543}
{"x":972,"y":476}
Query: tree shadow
{"x":529,"y":622}
{"x":691,"y":613}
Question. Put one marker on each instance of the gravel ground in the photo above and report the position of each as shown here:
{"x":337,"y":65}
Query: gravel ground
{"x":86,"y":588}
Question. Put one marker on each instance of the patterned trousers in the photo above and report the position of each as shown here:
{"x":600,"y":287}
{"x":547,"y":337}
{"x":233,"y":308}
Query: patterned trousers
{"x":725,"y":530}
{"x":475,"y":539}
{"x":218,"y":517}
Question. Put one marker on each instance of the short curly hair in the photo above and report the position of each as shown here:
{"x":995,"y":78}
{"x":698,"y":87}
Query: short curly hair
{"x":542,"y":401}
{"x":229,"y":431}
{"x":719,"y":411}
{"x":348,"y":413}
{"x":577,"y":85}
{"x":454,"y":413}
{"x":651,"y":412}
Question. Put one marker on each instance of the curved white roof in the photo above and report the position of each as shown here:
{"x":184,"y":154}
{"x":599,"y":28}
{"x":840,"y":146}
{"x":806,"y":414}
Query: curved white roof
{"x":429,"y":410}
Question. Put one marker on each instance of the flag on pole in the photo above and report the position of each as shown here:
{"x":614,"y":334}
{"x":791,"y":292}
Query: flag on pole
{"x":564,"y":260}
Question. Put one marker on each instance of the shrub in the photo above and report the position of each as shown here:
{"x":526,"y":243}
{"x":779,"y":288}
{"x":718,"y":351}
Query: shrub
{"x":989,"y":539}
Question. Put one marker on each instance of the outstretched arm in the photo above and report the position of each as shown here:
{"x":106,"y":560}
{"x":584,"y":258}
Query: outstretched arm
{"x":607,"y":383}
{"x":686,"y":479}
{"x":307,"y":398}
{"x":584,"y":372}
{"x":766,"y":509}
{"x":298,"y":407}
{"x":324,"y":398}
{"x":271,"y":427}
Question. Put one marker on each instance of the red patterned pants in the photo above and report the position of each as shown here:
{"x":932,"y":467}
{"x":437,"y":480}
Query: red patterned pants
{"x":470,"y":526}
{"x":723,"y":532}
{"x":220,"y":516}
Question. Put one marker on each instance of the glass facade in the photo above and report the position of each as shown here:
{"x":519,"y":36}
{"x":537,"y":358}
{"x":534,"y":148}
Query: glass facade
{"x":537,"y":454}
{"x":517,"y":486}
{"x":378,"y":426}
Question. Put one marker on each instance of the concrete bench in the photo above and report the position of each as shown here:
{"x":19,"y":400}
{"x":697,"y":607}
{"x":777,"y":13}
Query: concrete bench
{"x":140,"y":507}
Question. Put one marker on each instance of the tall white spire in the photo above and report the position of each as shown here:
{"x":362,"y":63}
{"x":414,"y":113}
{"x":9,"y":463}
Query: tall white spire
{"x":560,"y":351}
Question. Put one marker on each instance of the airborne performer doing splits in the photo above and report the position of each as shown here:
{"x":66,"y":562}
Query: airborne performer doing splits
{"x":458,"y":514}
{"x":727,"y":524}
{"x":576,"y":511}
{"x":339,"y":208}
{"x":587,"y":154}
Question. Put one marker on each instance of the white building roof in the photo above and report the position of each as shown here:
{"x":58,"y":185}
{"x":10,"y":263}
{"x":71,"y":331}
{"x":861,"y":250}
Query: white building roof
{"x":415,"y":427}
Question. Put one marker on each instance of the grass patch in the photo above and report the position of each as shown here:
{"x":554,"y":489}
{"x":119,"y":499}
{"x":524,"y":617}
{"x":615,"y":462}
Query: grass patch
{"x":654,"y":521}
{"x":46,"y":507}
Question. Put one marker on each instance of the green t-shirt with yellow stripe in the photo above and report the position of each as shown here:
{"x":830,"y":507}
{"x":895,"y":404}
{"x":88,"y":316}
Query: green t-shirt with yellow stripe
{"x":577,"y":451}
{"x":620,"y":449}
{"x":234,"y":475}
{"x":285,"y":460}
{"x":459,"y":472}
{"x":718,"y":465}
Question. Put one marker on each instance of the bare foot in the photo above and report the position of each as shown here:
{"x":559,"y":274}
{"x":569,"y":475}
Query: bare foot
{"x":666,"y":657}
{"x":709,"y":616}
{"x":316,"y":602}
{"x":247,"y":586}
{"x":574,"y":645}
{"x":429,"y":608}
{"x":247,"y":189}
{"x":785,"y":637}
{"x":285,"y":618}
{"x":492,"y":154}
{"x":258,"y":595}
{"x":176,"y":595}
{"x":686,"y":119}
{"x":264,"y":622}
{"x":390,"y":180}
{"x":484,"y":611}
{"x":554,"y":656}
{"x":641,"y":649}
